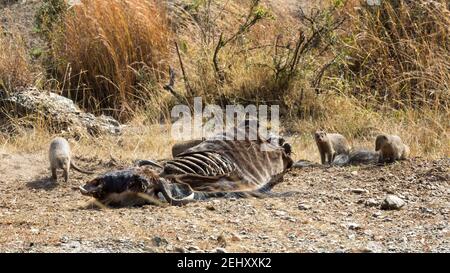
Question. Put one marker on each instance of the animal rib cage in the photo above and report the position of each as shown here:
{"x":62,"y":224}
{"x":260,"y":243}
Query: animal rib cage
{"x":201,"y":163}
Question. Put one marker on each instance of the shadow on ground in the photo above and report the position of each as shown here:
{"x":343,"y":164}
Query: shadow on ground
{"x":42,"y":184}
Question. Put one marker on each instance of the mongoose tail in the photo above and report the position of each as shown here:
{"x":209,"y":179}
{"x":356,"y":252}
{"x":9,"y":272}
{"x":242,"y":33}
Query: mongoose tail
{"x":79,"y":169}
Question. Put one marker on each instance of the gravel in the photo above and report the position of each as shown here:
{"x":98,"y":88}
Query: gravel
{"x":326,"y":217}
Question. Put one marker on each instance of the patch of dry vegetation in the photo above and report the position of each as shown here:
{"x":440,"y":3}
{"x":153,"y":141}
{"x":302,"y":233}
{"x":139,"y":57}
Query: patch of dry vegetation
{"x":384,"y":69}
{"x":399,"y":54}
{"x":15,"y":69}
{"x":106,"y":52}
{"x":242,"y":52}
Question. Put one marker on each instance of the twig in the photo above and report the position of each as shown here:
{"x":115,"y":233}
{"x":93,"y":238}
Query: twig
{"x":317,"y":80}
{"x":170,"y":87}
{"x":219,"y":72}
{"x":186,"y":82}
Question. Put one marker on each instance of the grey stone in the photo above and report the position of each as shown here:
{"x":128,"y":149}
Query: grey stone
{"x":159,"y":241}
{"x":219,"y":250}
{"x":62,"y":112}
{"x":304,"y":207}
{"x":392,"y":202}
{"x":373,"y":247}
{"x":280,"y":213}
{"x":194,"y":248}
{"x":359,"y":191}
{"x":353,"y":226}
{"x":371,"y":203}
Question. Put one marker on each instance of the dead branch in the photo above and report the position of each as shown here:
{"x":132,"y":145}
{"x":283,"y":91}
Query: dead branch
{"x":170,"y":87}
{"x":186,"y":82}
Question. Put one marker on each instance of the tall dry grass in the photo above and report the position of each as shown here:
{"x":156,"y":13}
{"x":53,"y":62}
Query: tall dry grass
{"x":427,"y":132}
{"x":105,"y":50}
{"x":399,"y":54}
{"x":385,"y":70}
{"x":15,"y":68}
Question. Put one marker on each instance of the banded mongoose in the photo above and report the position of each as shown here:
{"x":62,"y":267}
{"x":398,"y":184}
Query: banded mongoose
{"x":330,"y":145}
{"x":60,"y":158}
{"x":391,"y":148}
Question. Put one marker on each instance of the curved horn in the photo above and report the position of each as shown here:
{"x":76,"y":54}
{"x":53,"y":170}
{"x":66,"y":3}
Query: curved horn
{"x":163,"y":187}
{"x":143,"y":162}
{"x":88,"y":191}
{"x":83,"y":190}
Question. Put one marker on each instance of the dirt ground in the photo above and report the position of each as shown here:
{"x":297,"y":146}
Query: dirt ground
{"x":330,"y":213}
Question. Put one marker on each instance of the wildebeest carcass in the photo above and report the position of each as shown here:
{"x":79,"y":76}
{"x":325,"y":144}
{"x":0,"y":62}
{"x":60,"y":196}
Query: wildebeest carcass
{"x":216,"y":167}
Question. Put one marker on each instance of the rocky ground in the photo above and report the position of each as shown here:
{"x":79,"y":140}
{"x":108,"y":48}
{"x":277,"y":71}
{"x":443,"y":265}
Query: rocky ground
{"x":335,"y":210}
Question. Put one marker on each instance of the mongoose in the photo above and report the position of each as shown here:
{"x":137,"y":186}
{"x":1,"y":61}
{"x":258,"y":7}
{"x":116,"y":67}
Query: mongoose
{"x":180,"y":147}
{"x":60,"y":158}
{"x":330,"y":145}
{"x":391,"y":148}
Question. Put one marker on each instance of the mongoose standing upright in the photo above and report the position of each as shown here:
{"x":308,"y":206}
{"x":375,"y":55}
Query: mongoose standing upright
{"x":330,"y":145}
{"x":391,"y":148}
{"x":60,"y":158}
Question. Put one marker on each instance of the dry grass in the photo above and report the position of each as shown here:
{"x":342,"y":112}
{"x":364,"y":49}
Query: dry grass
{"x":259,"y":66}
{"x":425,"y":131}
{"x":104,"y":52}
{"x":15,"y":69}
{"x":399,"y":54}
{"x":101,"y":41}
{"x":139,"y":141}
{"x":427,"y":135}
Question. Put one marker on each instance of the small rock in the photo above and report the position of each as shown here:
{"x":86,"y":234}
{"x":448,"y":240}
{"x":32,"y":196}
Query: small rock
{"x":304,"y":207}
{"x":169,"y":248}
{"x":219,"y":250}
{"x":210,"y":207}
{"x":73,"y":245}
{"x":353,"y":226}
{"x":158,"y":241}
{"x":64,"y":239}
{"x":392,"y":202}
{"x":359,"y":191}
{"x":235,"y":238}
{"x":291,"y":219}
{"x":371,"y":203}
{"x":280,"y":213}
{"x":221,"y":239}
{"x":426,"y":210}
{"x":373,"y":247}
{"x":180,"y":249}
{"x":354,"y":173}
{"x":194,"y":248}
{"x":35,"y":230}
{"x":378,"y":214}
